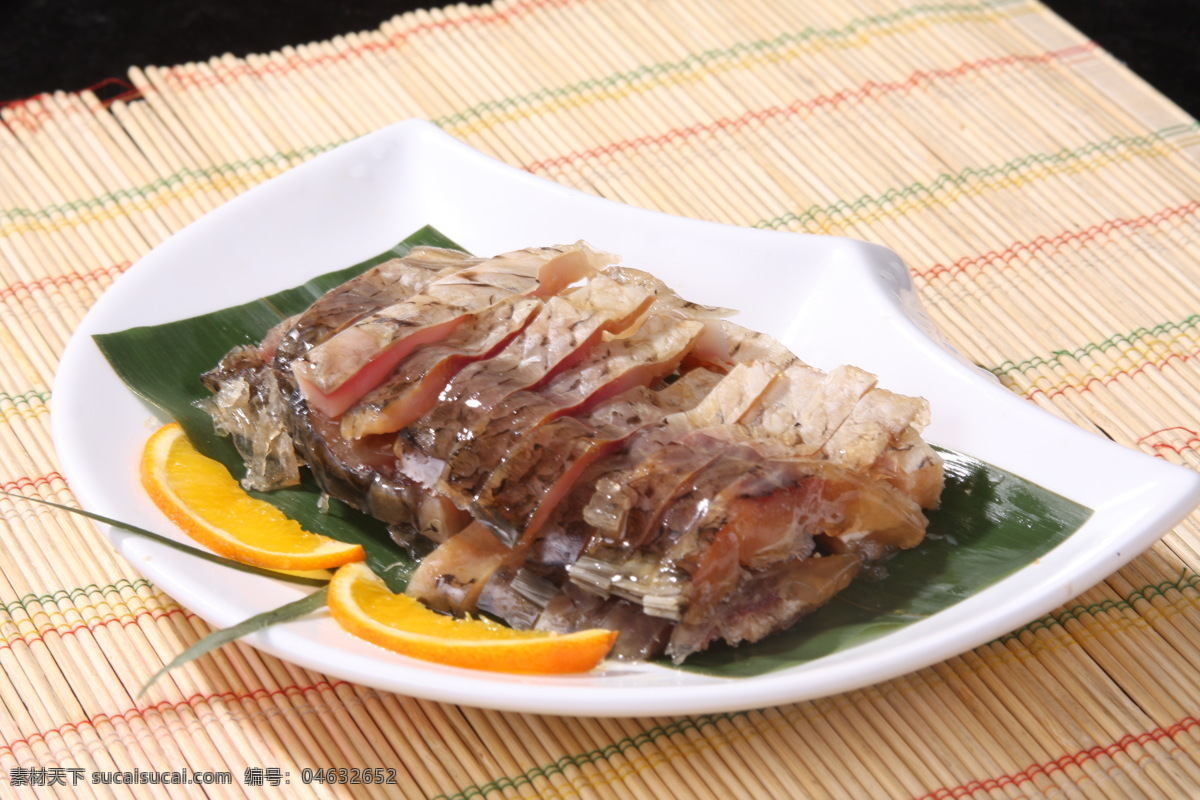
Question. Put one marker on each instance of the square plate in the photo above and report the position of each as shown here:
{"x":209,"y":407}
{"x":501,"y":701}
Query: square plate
{"x":831,"y":300}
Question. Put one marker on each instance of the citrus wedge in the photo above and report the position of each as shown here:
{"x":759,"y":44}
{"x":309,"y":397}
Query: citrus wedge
{"x":200,"y":496}
{"x":363,"y":605}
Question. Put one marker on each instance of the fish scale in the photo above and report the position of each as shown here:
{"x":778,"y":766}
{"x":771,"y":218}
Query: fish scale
{"x":627,"y":458}
{"x":654,"y":351}
{"x":336,"y":373}
{"x":412,"y":389}
{"x":564,"y":328}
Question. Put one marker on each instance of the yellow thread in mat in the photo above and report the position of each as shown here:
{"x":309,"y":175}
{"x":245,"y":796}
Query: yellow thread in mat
{"x":73,"y":215}
{"x":898,"y":203}
{"x":643,"y":80}
{"x":927,"y":729}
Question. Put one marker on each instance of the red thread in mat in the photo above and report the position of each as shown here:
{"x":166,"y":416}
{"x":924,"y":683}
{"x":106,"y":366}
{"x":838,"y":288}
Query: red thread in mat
{"x":1190,"y":443}
{"x":864,"y":91}
{"x":26,"y":482}
{"x":143,"y":713}
{"x":124,"y":621}
{"x":59,"y":281}
{"x":30,"y":114}
{"x":1055,"y":241}
{"x":1078,"y":758}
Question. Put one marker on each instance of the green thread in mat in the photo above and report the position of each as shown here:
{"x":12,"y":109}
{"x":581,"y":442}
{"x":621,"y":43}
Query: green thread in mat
{"x":1186,"y":580}
{"x":124,"y":584}
{"x":688,"y":63}
{"x":27,"y":397}
{"x":946,"y":180}
{"x":809,"y":216}
{"x":1055,"y":360}
{"x":695,"y":61}
{"x":166,"y":183}
{"x":591,"y":757}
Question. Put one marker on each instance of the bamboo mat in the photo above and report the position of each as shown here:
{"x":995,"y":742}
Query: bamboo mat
{"x":1045,"y":199}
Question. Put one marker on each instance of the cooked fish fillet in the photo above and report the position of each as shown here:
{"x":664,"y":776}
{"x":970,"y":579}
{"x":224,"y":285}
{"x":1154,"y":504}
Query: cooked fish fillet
{"x":334,"y":374}
{"x":577,"y":445}
{"x":539,"y":473}
{"x":251,"y":398}
{"x":413,"y":387}
{"x":563,"y":333}
{"x":653,"y":352}
{"x":384,"y":285}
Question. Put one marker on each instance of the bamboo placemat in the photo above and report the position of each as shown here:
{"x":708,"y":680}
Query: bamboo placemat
{"x":1045,"y":199}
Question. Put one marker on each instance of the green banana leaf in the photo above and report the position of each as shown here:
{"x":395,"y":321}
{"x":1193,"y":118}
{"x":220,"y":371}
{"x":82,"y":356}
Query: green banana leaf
{"x":162,"y":364}
{"x":990,"y":524}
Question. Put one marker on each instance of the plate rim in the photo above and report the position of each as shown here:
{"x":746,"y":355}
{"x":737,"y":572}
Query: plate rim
{"x":1169,"y":493}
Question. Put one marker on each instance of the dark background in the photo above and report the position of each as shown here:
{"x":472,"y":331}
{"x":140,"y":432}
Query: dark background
{"x":47,"y":45}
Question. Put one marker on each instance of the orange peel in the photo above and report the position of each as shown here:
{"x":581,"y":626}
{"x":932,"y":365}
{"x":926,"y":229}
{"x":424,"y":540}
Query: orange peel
{"x":364,"y":606}
{"x":200,"y":496}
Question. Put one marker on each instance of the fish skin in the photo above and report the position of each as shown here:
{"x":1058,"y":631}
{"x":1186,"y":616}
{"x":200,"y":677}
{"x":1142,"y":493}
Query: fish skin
{"x":361,"y":477}
{"x":640,"y":637}
{"x":383,"y":285}
{"x":654,"y":517}
{"x":336,"y":373}
{"x":732,"y":520}
{"x":412,"y":389}
{"x":722,"y":509}
{"x":679,"y":442}
{"x":560,"y":542}
{"x":562,"y":333}
{"x":654,"y":351}
{"x":513,"y":506}
{"x":542,"y":464}
{"x":837,"y":504}
{"x":843,"y":416}
{"x":878,"y":419}
{"x":764,"y":603}
{"x":262,"y":429}
{"x":804,"y":407}
{"x":914,"y":467}
{"x":451,"y":577}
{"x":628,"y":502}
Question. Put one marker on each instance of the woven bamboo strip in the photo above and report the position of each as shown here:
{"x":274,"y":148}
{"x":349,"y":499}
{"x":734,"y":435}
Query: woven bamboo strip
{"x":19,"y":177}
{"x":178,"y":141}
{"x":52,"y":314}
{"x":127,"y":164}
{"x":539,"y":46}
{"x":745,"y":162}
{"x":79,"y":140}
{"x":60,"y":174}
{"x":1173,"y":616}
{"x":1088,"y":706}
{"x":663,"y":767}
{"x":632,"y":774}
{"x":195,"y":195}
{"x":25,"y":713}
{"x":536,"y":744}
{"x":67,"y":650}
{"x":668,"y":109}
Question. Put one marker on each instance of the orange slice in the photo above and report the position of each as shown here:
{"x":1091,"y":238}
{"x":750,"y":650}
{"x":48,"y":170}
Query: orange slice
{"x":365,"y":607}
{"x":200,"y":496}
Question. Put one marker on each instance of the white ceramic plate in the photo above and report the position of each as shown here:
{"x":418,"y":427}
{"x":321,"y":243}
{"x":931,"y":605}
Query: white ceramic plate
{"x":832,"y":300}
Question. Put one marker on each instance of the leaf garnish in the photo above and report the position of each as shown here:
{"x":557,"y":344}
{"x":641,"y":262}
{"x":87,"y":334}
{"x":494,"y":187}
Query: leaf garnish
{"x":224,"y":636}
{"x":186,"y":548}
